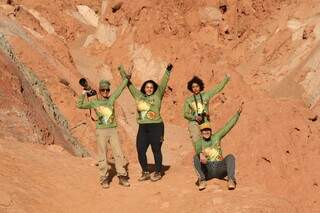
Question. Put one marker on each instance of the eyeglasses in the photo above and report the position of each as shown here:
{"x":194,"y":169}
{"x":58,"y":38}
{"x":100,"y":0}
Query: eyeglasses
{"x":104,"y":90}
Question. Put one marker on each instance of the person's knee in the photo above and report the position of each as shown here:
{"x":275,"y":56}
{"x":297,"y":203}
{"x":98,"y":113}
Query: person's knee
{"x":230,"y":157}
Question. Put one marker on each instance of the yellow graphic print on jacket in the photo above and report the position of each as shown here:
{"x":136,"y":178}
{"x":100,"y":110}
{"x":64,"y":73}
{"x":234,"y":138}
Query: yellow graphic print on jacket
{"x":200,"y":107}
{"x":143,"y":108}
{"x":212,"y":153}
{"x":106,"y":114}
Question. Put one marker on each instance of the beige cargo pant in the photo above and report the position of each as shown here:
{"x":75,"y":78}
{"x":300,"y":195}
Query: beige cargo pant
{"x":194,"y":132}
{"x":109,"y":136}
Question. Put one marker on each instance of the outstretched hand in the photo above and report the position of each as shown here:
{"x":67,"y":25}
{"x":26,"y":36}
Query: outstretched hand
{"x":169,"y":67}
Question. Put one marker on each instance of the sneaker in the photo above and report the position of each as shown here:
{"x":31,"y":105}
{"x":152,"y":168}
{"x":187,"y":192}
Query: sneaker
{"x":144,"y":176}
{"x":123,"y":180}
{"x":104,"y":184}
{"x":156,"y":176}
{"x":202,"y":184}
{"x":231,"y":184}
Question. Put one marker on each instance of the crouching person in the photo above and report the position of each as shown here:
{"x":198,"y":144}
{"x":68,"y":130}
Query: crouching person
{"x":106,"y":131}
{"x":208,"y":161}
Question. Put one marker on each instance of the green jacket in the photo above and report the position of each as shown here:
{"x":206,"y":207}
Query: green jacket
{"x":212,"y":149}
{"x":190,"y":105}
{"x":104,"y":108}
{"x":148,"y":107}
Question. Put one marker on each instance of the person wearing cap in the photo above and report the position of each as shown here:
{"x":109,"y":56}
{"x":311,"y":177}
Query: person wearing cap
{"x":208,"y":161}
{"x":151,"y":127}
{"x":196,"y":107}
{"x":106,"y":131}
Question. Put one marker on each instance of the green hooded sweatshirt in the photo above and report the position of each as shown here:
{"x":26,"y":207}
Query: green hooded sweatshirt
{"x":212,"y":149}
{"x":193,"y":102}
{"x":104,"y":108}
{"x":148,"y":107}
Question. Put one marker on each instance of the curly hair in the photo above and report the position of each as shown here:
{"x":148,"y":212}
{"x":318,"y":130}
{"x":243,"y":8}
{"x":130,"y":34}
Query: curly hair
{"x":155,"y":86}
{"x":196,"y":80}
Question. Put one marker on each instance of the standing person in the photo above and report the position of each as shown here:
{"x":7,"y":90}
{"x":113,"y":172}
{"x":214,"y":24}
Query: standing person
{"x":209,"y":161}
{"x":106,"y":131}
{"x":196,"y":107}
{"x":151,"y":128}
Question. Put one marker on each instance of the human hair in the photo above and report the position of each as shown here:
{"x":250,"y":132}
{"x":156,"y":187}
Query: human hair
{"x":196,"y":80}
{"x":155,"y":86}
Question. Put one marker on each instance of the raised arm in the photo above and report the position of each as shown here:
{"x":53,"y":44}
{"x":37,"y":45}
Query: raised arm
{"x":228,"y":126}
{"x":119,"y":90}
{"x":164,"y":81}
{"x":219,"y":87}
{"x":133,"y":90}
{"x":82,"y":104}
{"x":187,"y":114}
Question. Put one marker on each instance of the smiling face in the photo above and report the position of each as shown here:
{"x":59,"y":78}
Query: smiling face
{"x":206,"y":134}
{"x":195,"y":88}
{"x":149,"y":89}
{"x":104,"y":92}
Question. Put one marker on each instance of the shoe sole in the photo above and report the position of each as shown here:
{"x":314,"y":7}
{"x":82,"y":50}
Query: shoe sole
{"x":154,"y":180}
{"x":140,"y":180}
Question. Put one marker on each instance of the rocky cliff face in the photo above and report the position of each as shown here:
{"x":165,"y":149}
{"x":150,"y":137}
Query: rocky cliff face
{"x":270,"y":49}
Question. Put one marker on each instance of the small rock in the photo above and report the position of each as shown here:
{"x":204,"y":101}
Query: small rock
{"x":217,"y":200}
{"x":165,"y":205}
{"x":5,"y":199}
{"x":210,"y":15}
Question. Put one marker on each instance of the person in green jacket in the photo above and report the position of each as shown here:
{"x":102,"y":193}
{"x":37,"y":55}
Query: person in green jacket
{"x":208,"y":160}
{"x":151,"y":128}
{"x":106,"y":131}
{"x":196,"y":107}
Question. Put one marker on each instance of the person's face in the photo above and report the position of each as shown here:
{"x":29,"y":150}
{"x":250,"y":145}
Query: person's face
{"x":149,"y":89}
{"x":104,"y":92}
{"x":206,"y":134}
{"x":195,"y":88}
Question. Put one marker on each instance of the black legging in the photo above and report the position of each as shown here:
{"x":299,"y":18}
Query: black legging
{"x":150,"y":134}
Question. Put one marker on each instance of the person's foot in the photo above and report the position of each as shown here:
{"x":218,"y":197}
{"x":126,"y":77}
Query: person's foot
{"x":144,"y":176}
{"x":156,"y":176}
{"x":123,"y":180}
{"x":202,"y":184}
{"x":231,"y":184}
{"x":104,"y":182}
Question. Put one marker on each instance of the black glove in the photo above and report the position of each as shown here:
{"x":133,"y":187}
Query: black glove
{"x":169,"y":67}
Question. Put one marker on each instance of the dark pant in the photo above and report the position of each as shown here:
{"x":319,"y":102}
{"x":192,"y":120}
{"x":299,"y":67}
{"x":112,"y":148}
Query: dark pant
{"x":215,"y":169}
{"x":150,"y":134}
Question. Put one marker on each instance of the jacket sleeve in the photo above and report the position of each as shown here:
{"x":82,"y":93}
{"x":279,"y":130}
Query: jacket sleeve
{"x":132,"y":89}
{"x":163,"y":83}
{"x":219,"y":87}
{"x":198,"y":147}
{"x":187,"y":114}
{"x":227,"y":127}
{"x":119,"y":90}
{"x":82,"y":104}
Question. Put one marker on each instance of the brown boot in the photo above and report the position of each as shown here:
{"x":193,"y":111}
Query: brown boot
{"x":104,"y":182}
{"x":156,"y":176}
{"x":231,"y":184}
{"x":144,"y":176}
{"x":123,"y":180}
{"x":202,"y":184}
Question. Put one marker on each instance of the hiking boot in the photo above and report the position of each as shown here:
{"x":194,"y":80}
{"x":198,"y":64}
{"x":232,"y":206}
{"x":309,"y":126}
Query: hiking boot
{"x":231,"y":184}
{"x":123,"y":180}
{"x":156,"y":176}
{"x":104,"y":183}
{"x":144,"y":176}
{"x":202,"y":184}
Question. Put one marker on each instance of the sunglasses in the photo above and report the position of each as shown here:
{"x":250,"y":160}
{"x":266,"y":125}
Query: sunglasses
{"x":104,"y":90}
